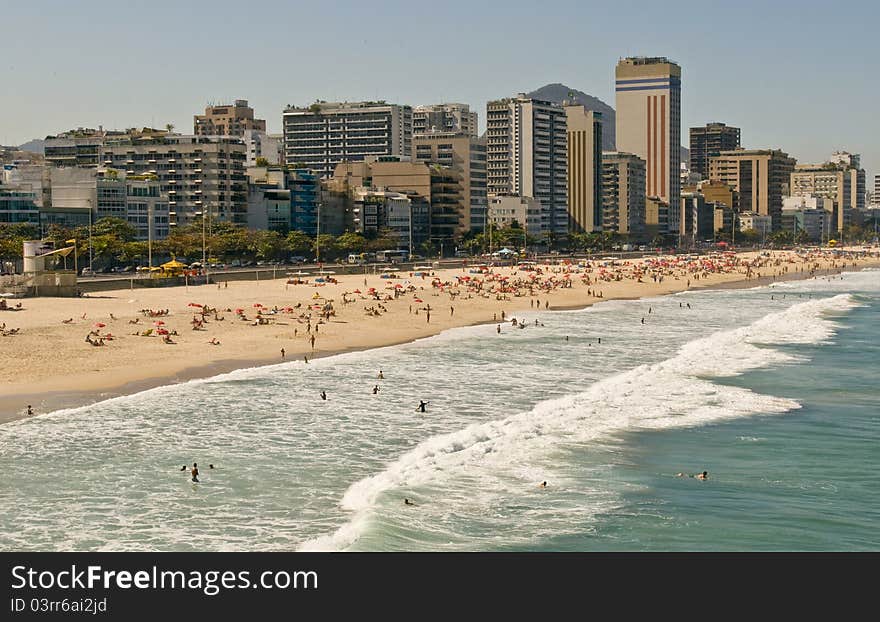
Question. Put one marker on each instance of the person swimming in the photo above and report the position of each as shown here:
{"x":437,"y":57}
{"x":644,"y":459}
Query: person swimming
{"x":422,"y":405}
{"x":323,"y":395}
{"x":381,"y":376}
{"x":542,"y":485}
{"x":210,"y":466}
{"x":194,"y":471}
{"x":407,"y":502}
{"x":375,"y":389}
{"x":183,"y":468}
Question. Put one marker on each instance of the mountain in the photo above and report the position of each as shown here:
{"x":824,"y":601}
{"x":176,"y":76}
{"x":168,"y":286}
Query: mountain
{"x":557,"y":93}
{"x":34,"y":146}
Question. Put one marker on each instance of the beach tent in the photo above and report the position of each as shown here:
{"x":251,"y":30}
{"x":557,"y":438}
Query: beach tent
{"x":173,"y":267}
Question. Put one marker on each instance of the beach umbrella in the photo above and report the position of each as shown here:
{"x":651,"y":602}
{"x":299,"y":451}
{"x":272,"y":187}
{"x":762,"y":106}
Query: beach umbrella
{"x":161,"y":331}
{"x":159,"y":323}
{"x":239,"y":311}
{"x":357,"y":291}
{"x":100,"y":324}
{"x":257,"y":305}
{"x":195,"y":304}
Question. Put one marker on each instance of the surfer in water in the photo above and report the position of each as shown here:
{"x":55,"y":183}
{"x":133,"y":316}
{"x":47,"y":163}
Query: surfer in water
{"x":422,"y":405}
{"x":194,"y":471}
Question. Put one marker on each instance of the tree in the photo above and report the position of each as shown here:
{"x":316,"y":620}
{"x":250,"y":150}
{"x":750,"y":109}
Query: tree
{"x":325,"y":247}
{"x":299,"y":243}
{"x":351,"y":243}
{"x":115,"y":227}
{"x":266,"y":245}
{"x":262,"y":162}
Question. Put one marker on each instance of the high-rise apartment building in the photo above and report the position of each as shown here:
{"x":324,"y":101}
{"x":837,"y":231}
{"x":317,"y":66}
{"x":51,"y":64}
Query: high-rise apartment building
{"x":455,"y":118}
{"x":875,"y":197}
{"x":526,"y":156}
{"x":828,"y":181}
{"x":623,"y":194}
{"x":648,"y":96}
{"x":200,"y":176}
{"x":584,"y":142}
{"x":227,"y":120}
{"x":259,"y":144}
{"x":708,"y":142}
{"x":325,"y":134}
{"x":466,"y":155}
{"x":760,"y":178}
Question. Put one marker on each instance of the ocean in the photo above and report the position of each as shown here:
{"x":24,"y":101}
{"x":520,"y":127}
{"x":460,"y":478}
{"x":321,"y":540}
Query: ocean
{"x":772,"y":390}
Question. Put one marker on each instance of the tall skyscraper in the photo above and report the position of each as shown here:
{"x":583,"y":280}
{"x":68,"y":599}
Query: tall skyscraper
{"x":584,"y":169}
{"x":456,"y":118}
{"x":709,"y":141}
{"x":649,"y":124}
{"x":526,"y":156}
{"x":325,"y":134}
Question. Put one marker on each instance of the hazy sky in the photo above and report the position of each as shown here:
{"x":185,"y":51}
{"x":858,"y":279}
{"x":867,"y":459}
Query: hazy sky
{"x":800,"y":76}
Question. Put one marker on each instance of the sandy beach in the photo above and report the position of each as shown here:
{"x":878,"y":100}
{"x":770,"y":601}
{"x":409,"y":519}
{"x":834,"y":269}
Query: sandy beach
{"x":50,"y":364}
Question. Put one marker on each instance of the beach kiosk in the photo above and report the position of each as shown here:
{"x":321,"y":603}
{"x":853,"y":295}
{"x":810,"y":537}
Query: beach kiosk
{"x":171,"y":268}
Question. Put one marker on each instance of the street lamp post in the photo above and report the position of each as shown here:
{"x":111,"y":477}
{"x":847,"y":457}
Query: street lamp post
{"x":91,"y":254}
{"x":318,"y":236}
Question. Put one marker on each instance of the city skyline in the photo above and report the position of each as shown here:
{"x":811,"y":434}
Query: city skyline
{"x":763,"y":87}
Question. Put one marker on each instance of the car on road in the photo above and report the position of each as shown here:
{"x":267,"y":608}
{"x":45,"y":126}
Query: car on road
{"x":298,"y":259}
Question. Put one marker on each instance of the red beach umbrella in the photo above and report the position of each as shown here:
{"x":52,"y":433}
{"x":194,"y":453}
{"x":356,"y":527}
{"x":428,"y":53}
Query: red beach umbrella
{"x":159,"y":323}
{"x":195,"y":304}
{"x":239,"y":311}
{"x":100,"y":324}
{"x":357,"y":291}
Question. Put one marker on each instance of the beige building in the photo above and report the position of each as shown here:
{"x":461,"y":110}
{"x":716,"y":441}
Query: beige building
{"x":584,"y":169}
{"x":648,"y":97}
{"x":440,"y":186}
{"x":505,"y":209}
{"x":623,"y":194}
{"x":466,"y":156}
{"x":760,"y":177}
{"x":656,"y":217}
{"x":227,"y":120}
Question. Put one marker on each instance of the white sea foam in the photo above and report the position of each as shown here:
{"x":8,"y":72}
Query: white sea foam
{"x":672,"y":393}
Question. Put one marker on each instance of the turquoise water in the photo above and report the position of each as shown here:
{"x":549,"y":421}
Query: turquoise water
{"x":772,"y":390}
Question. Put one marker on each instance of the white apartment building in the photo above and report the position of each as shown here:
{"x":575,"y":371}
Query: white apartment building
{"x":526,"y":155}
{"x":325,"y":134}
{"x":456,"y":118}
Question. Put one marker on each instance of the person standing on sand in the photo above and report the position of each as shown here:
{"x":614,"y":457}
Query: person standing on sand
{"x":30,"y":410}
{"x":282,"y":352}
{"x":313,"y":342}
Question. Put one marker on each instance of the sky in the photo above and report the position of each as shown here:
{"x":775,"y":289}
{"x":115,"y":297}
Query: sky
{"x":798,"y":76}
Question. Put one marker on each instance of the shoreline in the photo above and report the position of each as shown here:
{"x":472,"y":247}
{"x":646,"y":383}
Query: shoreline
{"x":51,"y":401}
